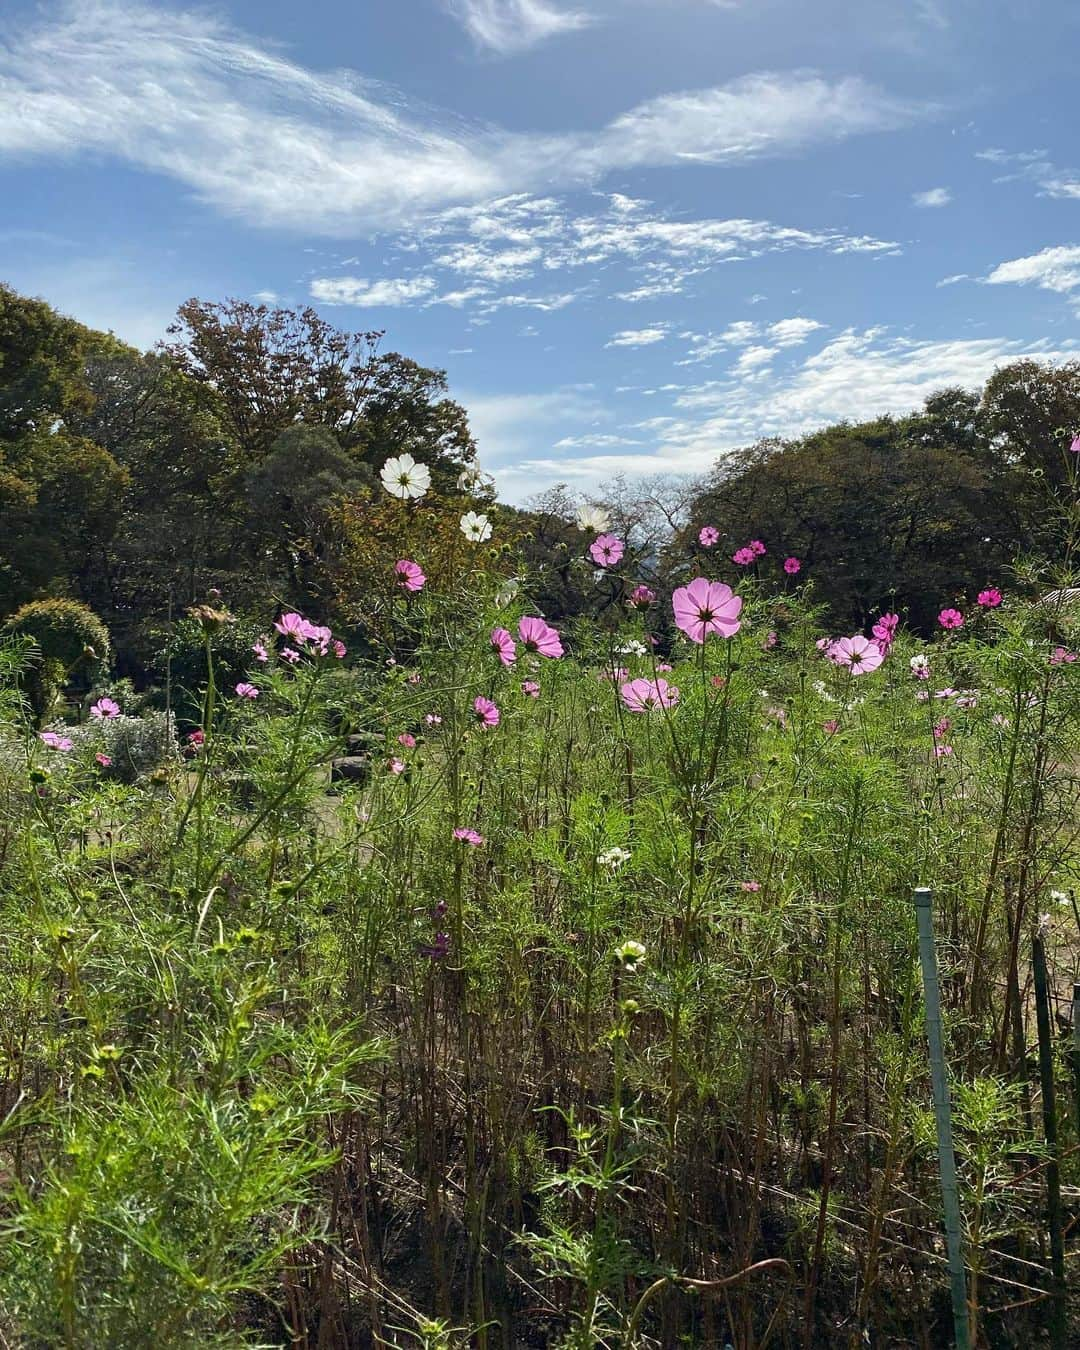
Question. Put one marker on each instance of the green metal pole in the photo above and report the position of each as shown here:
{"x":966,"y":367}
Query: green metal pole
{"x":950,"y":1195}
{"x":1058,"y":1327}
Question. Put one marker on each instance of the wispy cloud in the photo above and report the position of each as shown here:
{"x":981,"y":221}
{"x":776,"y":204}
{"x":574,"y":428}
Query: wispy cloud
{"x":255,"y":135}
{"x":939,"y":196}
{"x":1033,"y":166}
{"x":638,"y":337}
{"x":389,"y":292}
{"x":1052,"y":269}
{"x":507,"y":26}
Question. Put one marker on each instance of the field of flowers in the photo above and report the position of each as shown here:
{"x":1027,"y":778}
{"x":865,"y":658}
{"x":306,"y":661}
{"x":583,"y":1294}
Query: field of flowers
{"x":469,"y":979}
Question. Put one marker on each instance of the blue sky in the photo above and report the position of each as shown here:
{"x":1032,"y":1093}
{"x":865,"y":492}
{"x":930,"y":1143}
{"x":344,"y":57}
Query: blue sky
{"x":636,"y":233}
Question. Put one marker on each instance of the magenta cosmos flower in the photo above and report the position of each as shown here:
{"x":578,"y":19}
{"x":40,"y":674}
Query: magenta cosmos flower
{"x":743,"y":557}
{"x":530,"y":689}
{"x":1074,"y":445}
{"x":539,"y":637}
{"x":950,"y":619}
{"x":757,"y":548}
{"x":410,"y":575}
{"x":791,"y":566}
{"x":105,"y":708}
{"x":486,"y":712}
{"x":706,"y":607}
{"x":296,"y":627}
{"x":708,"y":536}
{"x":505,"y":647}
{"x":246,"y":690}
{"x":606,"y":550}
{"x":859,"y":654}
{"x":468,"y":836}
{"x":990,"y":598}
{"x":642,"y":696}
{"x":641,"y":597}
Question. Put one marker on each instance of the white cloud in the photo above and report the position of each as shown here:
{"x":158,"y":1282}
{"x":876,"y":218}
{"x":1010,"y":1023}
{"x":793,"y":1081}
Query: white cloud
{"x":954,"y":279}
{"x":1053,"y":269}
{"x":266,"y":297}
{"x":792,"y":332}
{"x":638,"y":337}
{"x":782,"y":333}
{"x":939,"y":196}
{"x":506,"y":26}
{"x":1034,"y":166}
{"x":752,"y":359}
{"x":255,"y":135}
{"x":390,"y":291}
{"x":854,"y":376}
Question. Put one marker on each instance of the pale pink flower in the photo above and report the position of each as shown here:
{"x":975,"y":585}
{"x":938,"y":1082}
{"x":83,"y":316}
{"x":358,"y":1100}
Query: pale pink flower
{"x":708,"y":536}
{"x":296,"y":627}
{"x":950,"y":619}
{"x":769,"y":641}
{"x":831,"y":726}
{"x":606,"y":550}
{"x":859,"y":654}
{"x":287,"y":654}
{"x":1074,"y":445}
{"x":641,"y":696}
{"x":259,"y":648}
{"x":530,"y":689}
{"x":505,"y":647}
{"x":1061,"y":656}
{"x":663,"y":666}
{"x":706,"y":607}
{"x":105,"y":709}
{"x":750,"y":885}
{"x":432,"y":719}
{"x":468,"y":836}
{"x":941,"y":729}
{"x":338,"y":648}
{"x":940,"y":751}
{"x":539,"y":637}
{"x":990,"y":598}
{"x":641,"y":597}
{"x":55,"y":741}
{"x":396,"y":766}
{"x":408,"y":740}
{"x":103,"y":760}
{"x":246,"y":690}
{"x":791,"y":566}
{"x":487,"y":714}
{"x":948,"y":692}
{"x":409,"y":574}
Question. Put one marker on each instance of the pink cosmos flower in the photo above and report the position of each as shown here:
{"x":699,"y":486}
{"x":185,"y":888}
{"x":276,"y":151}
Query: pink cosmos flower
{"x":246,"y":690}
{"x":408,"y":740}
{"x":859,"y":654}
{"x":338,"y":648}
{"x":433,"y":719}
{"x":539,"y":637}
{"x":950,"y":618}
{"x":105,"y":709}
{"x":944,"y":693}
{"x":750,"y":885}
{"x":942,"y":728}
{"x":414,"y":678}
{"x":791,"y":566}
{"x":487,"y":714}
{"x":990,"y":598}
{"x":396,"y":766}
{"x":504,"y":645}
{"x":708,"y":536}
{"x":320,"y":637}
{"x":409,"y":574}
{"x":940,"y":751}
{"x":294,"y":626}
{"x":530,"y":688}
{"x":103,"y":760}
{"x":663,"y":665}
{"x":1061,"y":656}
{"x":884,"y":632}
{"x":55,"y":741}
{"x":757,"y":548}
{"x":641,"y":696}
{"x":770,"y":641}
{"x":706,"y":607}
{"x":831,"y":726}
{"x":823,"y":644}
{"x":743,"y":556}
{"x":259,"y":648}
{"x":641,"y":597}
{"x":287,"y":654}
{"x":1074,"y":445}
{"x":196,"y":737}
{"x":468,"y":836}
{"x":606,"y":550}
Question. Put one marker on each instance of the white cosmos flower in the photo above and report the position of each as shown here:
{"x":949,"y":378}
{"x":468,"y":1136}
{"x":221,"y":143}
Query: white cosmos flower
{"x":476,"y":480}
{"x":613,"y":858}
{"x":507,"y":593}
{"x":475,"y":528}
{"x":593,"y":518}
{"x":403,"y":477}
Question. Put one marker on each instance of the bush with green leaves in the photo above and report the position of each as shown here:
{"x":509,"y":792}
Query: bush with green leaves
{"x":70,"y":645}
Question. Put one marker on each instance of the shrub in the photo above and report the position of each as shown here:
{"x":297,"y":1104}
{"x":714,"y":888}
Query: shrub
{"x":72,"y":644}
